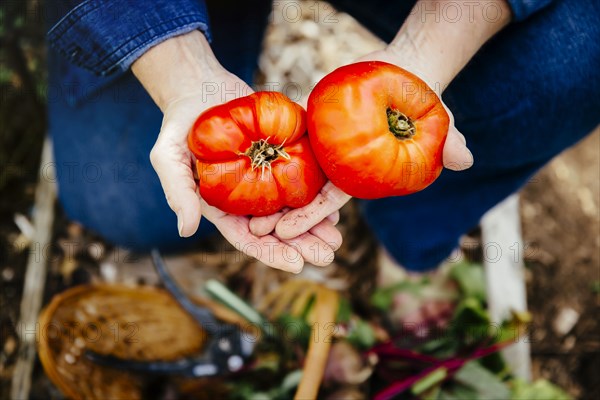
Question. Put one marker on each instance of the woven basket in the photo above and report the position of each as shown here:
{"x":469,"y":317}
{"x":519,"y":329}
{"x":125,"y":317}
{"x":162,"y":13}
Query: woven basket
{"x":130,"y":323}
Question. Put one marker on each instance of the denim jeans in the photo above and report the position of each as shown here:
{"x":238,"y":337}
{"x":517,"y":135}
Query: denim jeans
{"x":529,"y":93}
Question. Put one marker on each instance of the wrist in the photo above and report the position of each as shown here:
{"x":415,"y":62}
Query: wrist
{"x":419,"y":59}
{"x":177,"y":68}
{"x":436,"y":47}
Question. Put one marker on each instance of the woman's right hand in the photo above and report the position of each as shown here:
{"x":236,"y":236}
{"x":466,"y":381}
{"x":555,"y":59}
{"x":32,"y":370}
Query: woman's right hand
{"x":184,"y":79}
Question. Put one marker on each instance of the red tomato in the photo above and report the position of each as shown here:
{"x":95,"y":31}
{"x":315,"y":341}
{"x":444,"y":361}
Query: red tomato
{"x":253,"y":157}
{"x":377,"y":130}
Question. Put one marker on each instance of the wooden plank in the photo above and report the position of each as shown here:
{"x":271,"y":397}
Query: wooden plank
{"x":504,"y":270}
{"x":35,"y":277}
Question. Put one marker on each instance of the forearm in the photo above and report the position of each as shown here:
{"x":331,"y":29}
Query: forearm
{"x":177,"y":68}
{"x":436,"y":41}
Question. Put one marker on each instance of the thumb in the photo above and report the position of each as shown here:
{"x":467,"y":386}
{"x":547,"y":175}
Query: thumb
{"x":456,"y":156}
{"x":172,"y":162}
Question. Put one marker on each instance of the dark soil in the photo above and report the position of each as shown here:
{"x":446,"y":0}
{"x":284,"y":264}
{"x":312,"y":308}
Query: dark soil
{"x":561,"y":225}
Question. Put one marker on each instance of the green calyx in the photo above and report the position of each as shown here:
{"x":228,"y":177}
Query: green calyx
{"x":400,"y":125}
{"x":262,"y":154}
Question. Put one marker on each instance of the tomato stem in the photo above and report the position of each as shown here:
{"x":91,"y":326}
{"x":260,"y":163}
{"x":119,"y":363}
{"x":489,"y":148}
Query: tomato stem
{"x":262,"y":154}
{"x":400,"y":125}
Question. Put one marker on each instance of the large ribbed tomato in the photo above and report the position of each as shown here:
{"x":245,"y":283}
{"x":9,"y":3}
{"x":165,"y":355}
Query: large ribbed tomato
{"x":253,"y":157}
{"x":377,"y":130}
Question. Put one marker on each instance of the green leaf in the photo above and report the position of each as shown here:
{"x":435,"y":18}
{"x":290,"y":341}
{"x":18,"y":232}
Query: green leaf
{"x":443,"y":347}
{"x":267,"y":364}
{"x":221,"y":293}
{"x":242,"y":391}
{"x":496,"y":364}
{"x":486,"y":384}
{"x":429,"y":381}
{"x":457,"y":392}
{"x":508,"y":331}
{"x":431,"y":394}
{"x":5,"y":75}
{"x":471,"y":322}
{"x":538,"y":390}
{"x":291,"y":380}
{"x":344,"y":311}
{"x":362,"y":335}
{"x":470,"y":279}
{"x":382,"y":298}
{"x":471,"y":310}
{"x":293,"y":329}
{"x":261,"y":396}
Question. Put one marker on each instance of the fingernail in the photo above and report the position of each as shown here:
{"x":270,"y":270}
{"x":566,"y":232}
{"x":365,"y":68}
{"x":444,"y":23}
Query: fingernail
{"x":180,"y":223}
{"x":297,"y":267}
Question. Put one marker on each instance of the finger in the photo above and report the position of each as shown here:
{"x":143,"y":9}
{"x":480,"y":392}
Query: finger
{"x":457,"y":156}
{"x":173,"y":165}
{"x":328,"y":233}
{"x":267,"y":249}
{"x":299,"y":221}
{"x":334,"y":218}
{"x":260,"y":226}
{"x":312,"y":249}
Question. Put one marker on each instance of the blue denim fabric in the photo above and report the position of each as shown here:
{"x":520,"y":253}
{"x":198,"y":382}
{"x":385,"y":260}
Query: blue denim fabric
{"x":105,"y":180}
{"x":531,"y":92}
{"x":105,"y":36}
{"x":522,"y":9}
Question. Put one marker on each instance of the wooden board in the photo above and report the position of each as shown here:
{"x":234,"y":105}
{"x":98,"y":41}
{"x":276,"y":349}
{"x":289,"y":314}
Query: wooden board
{"x":35,"y":277}
{"x":503,"y":246}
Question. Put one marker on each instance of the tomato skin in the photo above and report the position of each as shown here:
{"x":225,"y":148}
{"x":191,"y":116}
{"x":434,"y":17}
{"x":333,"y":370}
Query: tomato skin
{"x":350,"y":135}
{"x":220,"y":139}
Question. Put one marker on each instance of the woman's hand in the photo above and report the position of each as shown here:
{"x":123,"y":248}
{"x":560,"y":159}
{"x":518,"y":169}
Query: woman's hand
{"x":457,"y":157}
{"x":435,"y":50}
{"x":184,"y":79}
